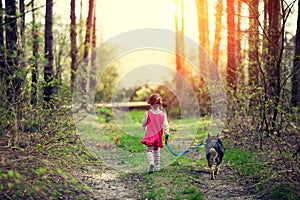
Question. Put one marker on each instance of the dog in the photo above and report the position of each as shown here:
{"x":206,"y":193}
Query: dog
{"x":214,"y":154}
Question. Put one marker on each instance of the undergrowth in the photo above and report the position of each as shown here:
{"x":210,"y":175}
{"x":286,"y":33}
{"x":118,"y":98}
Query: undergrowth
{"x":41,"y":154}
{"x":44,"y":171}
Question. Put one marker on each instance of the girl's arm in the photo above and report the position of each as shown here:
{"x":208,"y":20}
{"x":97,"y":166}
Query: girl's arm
{"x":144,"y":120}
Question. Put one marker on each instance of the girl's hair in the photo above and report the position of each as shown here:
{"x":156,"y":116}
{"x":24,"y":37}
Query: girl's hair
{"x":155,"y":99}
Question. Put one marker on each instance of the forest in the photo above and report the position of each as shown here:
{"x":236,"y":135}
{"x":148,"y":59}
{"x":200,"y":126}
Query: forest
{"x":75,"y":77}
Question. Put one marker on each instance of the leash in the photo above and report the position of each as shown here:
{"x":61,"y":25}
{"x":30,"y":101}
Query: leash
{"x":185,"y":152}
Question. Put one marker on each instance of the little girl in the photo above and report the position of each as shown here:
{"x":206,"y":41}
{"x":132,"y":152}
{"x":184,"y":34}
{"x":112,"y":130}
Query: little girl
{"x":155,"y":123}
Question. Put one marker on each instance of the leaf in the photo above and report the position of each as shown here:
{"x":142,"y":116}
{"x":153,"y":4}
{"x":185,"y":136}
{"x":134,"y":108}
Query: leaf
{"x":41,"y":171}
{"x":10,"y":174}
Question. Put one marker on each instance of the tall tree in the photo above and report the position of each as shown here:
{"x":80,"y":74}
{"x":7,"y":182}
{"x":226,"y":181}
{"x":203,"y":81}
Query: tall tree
{"x":274,"y":48}
{"x":93,"y":72}
{"x":94,"y":39}
{"x":73,"y":36}
{"x":35,"y":58}
{"x":86,"y":55}
{"x":13,"y":79}
{"x":296,"y":68}
{"x":179,"y":40}
{"x":48,"y":67}
{"x":218,"y":29}
{"x":89,"y":28}
{"x":231,"y":62}
{"x":22,"y":12}
{"x":253,"y":40}
{"x":273,"y":64}
{"x":238,"y":44}
{"x":2,"y":57}
{"x":202,"y":14}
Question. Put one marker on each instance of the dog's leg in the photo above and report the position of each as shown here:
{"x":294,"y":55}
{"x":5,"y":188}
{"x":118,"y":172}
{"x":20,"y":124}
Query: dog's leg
{"x":212,"y":162}
{"x":217,"y":170}
{"x":212,"y":174}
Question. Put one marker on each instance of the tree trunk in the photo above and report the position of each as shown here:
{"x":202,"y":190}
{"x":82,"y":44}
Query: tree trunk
{"x":73,"y":36}
{"x":179,"y":48}
{"x":12,"y":67}
{"x":35,"y":61}
{"x":274,"y":39}
{"x":219,"y":9}
{"x":93,"y":72}
{"x":22,"y":12}
{"x":273,"y":66}
{"x":202,"y":14}
{"x":87,"y":46}
{"x":253,"y":41}
{"x":89,"y":28}
{"x":81,"y":32}
{"x":48,"y":68}
{"x":296,"y":68}
{"x":231,"y":62}
{"x":2,"y":56}
{"x":238,"y":50}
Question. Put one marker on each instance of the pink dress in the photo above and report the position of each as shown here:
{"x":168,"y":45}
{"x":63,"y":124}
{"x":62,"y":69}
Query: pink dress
{"x":153,"y":136}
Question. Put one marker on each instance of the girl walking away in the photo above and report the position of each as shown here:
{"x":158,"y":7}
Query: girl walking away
{"x":155,"y":123}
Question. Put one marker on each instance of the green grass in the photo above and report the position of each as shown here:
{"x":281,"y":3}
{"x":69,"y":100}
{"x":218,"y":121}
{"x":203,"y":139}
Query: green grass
{"x":283,"y":191}
{"x":172,"y":182}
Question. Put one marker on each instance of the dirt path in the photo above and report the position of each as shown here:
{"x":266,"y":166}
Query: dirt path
{"x":224,"y":187}
{"x":107,"y":184}
{"x":113,"y":185}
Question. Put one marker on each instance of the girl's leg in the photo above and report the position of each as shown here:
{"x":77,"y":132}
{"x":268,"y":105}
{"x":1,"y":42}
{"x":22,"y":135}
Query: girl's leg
{"x":156,"y":155}
{"x":150,"y":157}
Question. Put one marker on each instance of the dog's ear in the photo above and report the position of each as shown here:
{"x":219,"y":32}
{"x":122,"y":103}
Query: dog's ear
{"x":218,"y":136}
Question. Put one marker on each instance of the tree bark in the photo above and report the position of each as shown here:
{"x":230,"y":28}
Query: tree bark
{"x":11,"y":32}
{"x":231,"y":62}
{"x":274,"y":47}
{"x":202,"y":14}
{"x":73,"y":36}
{"x":22,"y":12}
{"x":296,"y":68}
{"x":2,"y":55}
{"x":89,"y":28}
{"x":35,"y":61}
{"x":93,"y":72}
{"x":48,"y":68}
{"x":253,"y":41}
{"x":179,"y":48}
{"x":238,"y":49}
{"x":86,"y":57}
{"x":216,"y":45}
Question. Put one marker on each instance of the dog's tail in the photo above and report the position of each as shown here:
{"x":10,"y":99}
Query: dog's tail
{"x":213,"y":156}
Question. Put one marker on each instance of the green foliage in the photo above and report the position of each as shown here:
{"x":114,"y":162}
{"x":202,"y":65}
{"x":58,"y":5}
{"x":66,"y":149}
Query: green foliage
{"x":267,"y":129}
{"x":283,"y":191}
{"x":104,"y":115}
{"x":131,"y":143}
{"x":156,"y":194}
{"x":192,"y":193}
{"x":41,"y":154}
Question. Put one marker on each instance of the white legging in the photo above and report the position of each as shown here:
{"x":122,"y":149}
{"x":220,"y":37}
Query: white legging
{"x":153,"y":156}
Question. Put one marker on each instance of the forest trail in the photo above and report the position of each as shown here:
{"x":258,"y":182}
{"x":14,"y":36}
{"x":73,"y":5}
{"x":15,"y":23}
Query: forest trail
{"x":113,"y":185}
{"x":106,"y":184}
{"x":223,"y":187}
